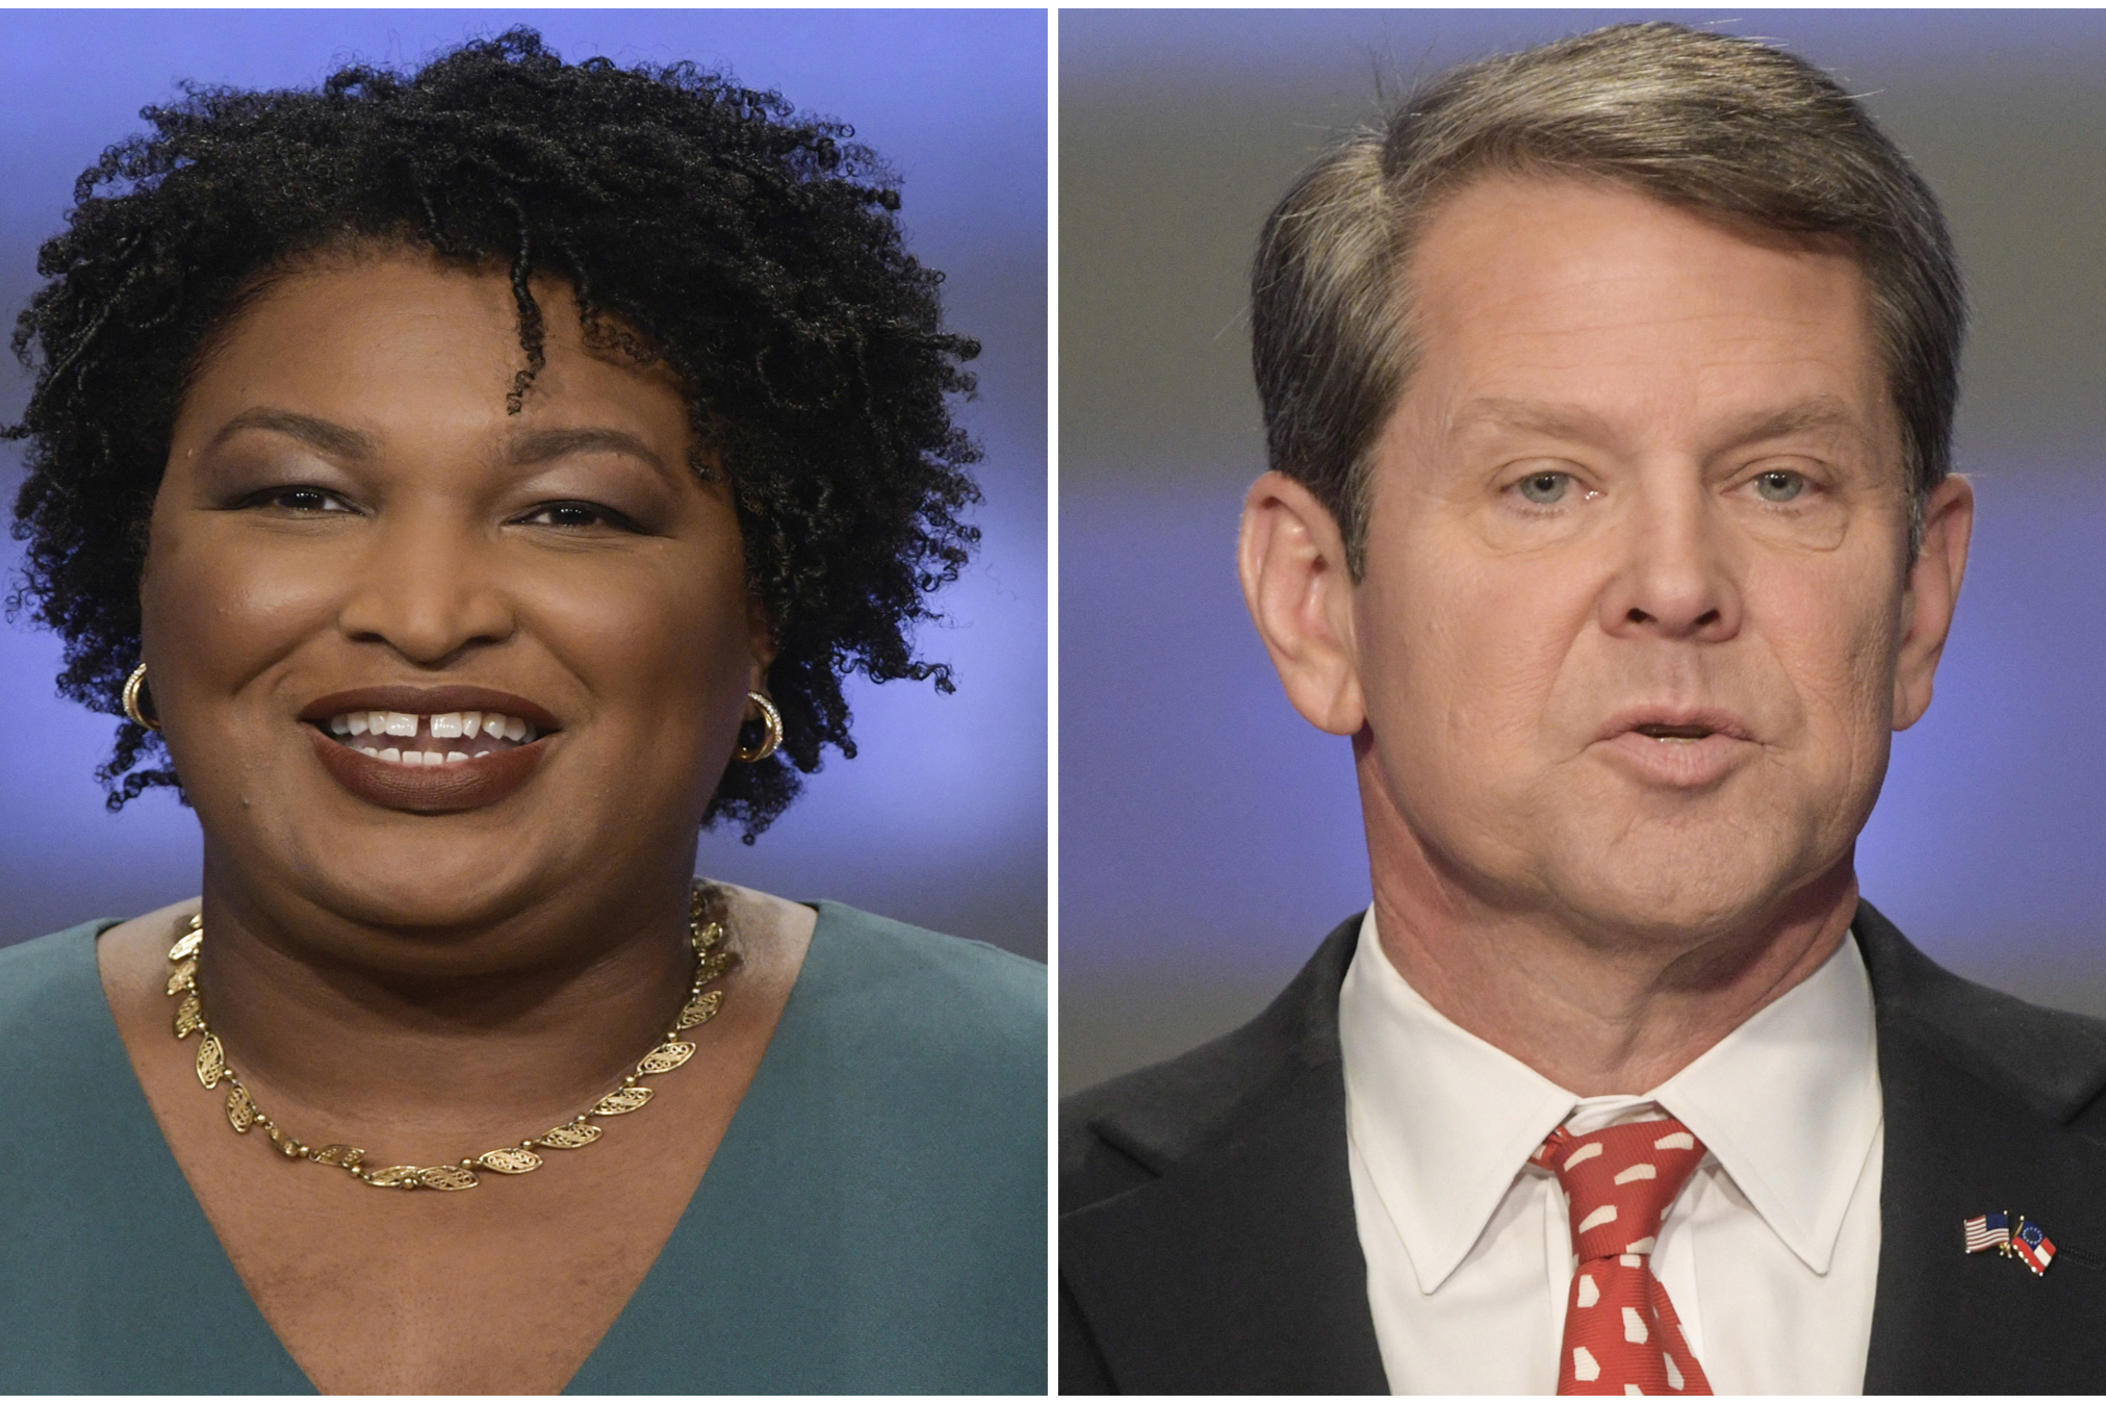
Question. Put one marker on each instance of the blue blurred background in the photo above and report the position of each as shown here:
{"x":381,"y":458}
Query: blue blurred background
{"x":941,"y":819}
{"x":1209,"y":837}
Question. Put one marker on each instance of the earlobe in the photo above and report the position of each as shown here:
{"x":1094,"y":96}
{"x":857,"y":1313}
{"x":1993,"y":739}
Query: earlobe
{"x":1291,"y":557}
{"x":1933,"y":594}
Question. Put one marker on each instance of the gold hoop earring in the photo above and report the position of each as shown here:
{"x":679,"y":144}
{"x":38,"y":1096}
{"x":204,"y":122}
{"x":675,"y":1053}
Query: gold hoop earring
{"x":772,"y":720}
{"x":134,"y":689}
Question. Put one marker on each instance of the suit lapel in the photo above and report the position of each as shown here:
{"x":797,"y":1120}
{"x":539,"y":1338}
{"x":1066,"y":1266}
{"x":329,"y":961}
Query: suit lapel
{"x":1990,"y":1104}
{"x":1236,"y":1268}
{"x":1233,"y":1265}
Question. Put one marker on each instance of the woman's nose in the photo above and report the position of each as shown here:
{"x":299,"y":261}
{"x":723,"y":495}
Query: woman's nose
{"x":427,"y":587}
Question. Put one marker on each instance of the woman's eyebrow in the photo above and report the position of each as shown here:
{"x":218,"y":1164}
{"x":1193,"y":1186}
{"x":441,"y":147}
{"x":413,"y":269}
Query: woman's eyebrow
{"x":336,"y":440}
{"x":542,"y":445}
{"x":521,"y":449}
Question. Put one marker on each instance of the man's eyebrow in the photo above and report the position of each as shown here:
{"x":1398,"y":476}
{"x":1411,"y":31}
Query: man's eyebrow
{"x":544,"y":445}
{"x":336,"y":440}
{"x":1559,"y":421}
{"x":1565,"y":421}
{"x":1817,"y":412}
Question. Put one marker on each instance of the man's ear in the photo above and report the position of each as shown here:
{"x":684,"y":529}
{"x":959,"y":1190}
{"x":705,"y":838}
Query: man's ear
{"x":1933,"y":591}
{"x":1292,"y":560}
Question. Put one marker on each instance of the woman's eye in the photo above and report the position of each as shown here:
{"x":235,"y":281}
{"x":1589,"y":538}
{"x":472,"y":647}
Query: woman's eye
{"x":577,"y":514}
{"x":1544,"y":489}
{"x":301,"y":501}
{"x":1779,"y":485}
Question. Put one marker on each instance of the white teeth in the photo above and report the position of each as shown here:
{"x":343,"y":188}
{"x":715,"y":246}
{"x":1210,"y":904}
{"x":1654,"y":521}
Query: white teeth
{"x":415,"y":758}
{"x":443,"y":726}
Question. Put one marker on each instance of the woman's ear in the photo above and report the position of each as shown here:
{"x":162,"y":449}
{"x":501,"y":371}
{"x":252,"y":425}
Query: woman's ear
{"x":760,"y":642}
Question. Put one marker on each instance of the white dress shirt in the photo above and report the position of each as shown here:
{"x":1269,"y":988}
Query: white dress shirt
{"x":1769,"y":1254}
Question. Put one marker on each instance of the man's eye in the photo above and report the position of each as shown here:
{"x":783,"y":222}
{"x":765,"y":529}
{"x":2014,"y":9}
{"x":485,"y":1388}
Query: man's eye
{"x":1544,"y":489}
{"x":1779,"y":485}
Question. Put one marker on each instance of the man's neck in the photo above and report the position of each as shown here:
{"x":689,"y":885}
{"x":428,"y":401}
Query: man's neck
{"x":1596,"y":1015}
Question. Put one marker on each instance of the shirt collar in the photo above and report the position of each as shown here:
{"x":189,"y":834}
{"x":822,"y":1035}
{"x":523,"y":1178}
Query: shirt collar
{"x":1788,"y":1103}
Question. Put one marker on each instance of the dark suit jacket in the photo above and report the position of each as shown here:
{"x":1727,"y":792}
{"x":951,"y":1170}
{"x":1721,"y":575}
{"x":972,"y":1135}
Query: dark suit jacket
{"x":1207,"y":1242}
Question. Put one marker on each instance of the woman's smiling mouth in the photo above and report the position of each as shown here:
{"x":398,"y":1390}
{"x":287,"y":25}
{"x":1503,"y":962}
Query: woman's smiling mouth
{"x":443,"y":738}
{"x":429,"y":750}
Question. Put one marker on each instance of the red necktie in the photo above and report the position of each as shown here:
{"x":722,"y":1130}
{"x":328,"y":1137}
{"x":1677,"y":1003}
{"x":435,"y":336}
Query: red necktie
{"x":1621,"y":1332}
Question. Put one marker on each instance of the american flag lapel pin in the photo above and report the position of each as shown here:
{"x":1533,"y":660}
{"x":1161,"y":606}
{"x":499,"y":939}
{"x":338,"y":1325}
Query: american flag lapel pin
{"x":1986,"y":1231}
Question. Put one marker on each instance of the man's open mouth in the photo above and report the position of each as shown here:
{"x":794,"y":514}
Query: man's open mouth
{"x":1659,"y":732}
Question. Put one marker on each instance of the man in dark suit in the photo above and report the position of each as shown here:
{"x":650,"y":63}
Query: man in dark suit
{"x":1608,"y":393}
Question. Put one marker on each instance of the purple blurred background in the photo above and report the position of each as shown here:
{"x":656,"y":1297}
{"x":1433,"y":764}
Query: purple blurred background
{"x":1210,"y":837}
{"x":941,"y":819}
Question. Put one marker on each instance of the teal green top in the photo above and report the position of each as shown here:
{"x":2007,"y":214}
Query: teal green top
{"x":873,"y":1223}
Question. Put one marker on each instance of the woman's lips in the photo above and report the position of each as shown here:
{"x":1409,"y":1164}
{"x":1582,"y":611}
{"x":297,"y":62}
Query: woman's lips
{"x":445,"y":788}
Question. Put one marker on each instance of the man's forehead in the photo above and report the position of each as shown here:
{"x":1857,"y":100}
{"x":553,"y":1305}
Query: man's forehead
{"x":1500,"y":241}
{"x":1571,"y":307}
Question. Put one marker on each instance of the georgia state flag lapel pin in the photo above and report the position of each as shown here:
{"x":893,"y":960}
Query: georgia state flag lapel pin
{"x":2031,"y":1246}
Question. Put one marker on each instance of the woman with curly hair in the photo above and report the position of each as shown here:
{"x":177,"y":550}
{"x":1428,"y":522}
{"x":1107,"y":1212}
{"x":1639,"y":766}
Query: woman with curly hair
{"x":468,"y":484}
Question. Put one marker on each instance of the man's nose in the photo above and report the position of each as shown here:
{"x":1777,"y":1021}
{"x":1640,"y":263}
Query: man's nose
{"x":1675,"y":577}
{"x":427,"y":587}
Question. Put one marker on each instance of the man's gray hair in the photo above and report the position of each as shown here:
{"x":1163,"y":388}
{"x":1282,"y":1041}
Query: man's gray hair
{"x":1708,"y":122}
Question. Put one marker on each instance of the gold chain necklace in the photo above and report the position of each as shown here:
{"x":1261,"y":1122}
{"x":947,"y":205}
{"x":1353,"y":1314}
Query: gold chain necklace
{"x":712,"y":959}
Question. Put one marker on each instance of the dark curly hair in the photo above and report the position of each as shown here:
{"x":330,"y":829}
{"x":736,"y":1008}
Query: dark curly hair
{"x":752,"y":250}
